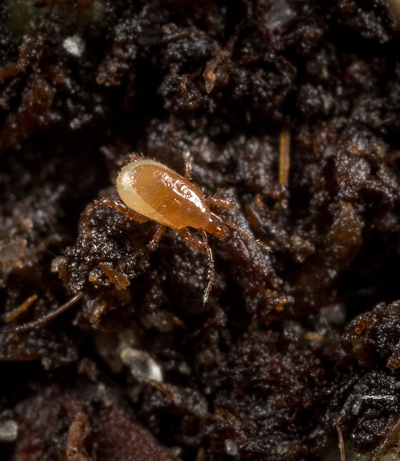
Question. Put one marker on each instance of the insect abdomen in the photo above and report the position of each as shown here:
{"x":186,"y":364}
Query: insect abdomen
{"x":155,"y":191}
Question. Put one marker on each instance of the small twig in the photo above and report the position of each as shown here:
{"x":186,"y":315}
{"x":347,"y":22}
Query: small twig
{"x":45,"y":318}
{"x":284,"y":157}
{"x":341,"y":443}
{"x":10,"y":316}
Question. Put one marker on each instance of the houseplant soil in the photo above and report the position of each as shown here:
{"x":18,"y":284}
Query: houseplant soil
{"x":289,"y":109}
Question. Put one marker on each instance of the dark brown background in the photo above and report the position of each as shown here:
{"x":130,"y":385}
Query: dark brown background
{"x":292,"y":342}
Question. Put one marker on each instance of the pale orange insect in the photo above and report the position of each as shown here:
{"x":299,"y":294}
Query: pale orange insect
{"x":150,"y":191}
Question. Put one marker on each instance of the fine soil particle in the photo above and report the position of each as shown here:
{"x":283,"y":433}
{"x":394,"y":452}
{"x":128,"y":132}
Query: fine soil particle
{"x":291,"y":111}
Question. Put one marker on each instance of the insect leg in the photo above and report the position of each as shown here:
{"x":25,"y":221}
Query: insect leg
{"x":220,"y":202}
{"x":192,"y":241}
{"x":202,"y":246}
{"x":211,"y":266}
{"x":188,"y":166}
{"x":152,"y":245}
{"x":111,"y":203}
{"x":133,"y":156}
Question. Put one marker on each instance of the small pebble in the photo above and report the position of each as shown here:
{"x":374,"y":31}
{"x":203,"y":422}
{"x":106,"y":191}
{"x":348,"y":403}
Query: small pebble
{"x":143,"y":366}
{"x":74,"y":45}
{"x":56,"y":263}
{"x":12,"y":251}
{"x":8,"y":431}
{"x":231,"y":448}
{"x":280,"y":15}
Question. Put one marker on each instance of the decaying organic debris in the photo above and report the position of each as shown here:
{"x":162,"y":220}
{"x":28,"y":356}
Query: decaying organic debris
{"x":290,"y":111}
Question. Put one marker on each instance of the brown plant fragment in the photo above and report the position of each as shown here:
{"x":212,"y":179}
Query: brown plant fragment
{"x":341,"y":443}
{"x":32,"y":113}
{"x":77,"y":434}
{"x":293,"y":341}
{"x":100,"y":421}
{"x":390,"y":440}
{"x":11,"y":316}
{"x":27,"y":50}
{"x":117,"y":278}
{"x":209,"y":72}
{"x":374,"y":336}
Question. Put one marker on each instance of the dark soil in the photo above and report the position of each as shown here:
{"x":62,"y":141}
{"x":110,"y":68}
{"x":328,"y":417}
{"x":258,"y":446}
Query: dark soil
{"x":291,"y":110}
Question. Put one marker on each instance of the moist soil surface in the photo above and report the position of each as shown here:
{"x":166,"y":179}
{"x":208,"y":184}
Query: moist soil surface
{"x":290,"y":110}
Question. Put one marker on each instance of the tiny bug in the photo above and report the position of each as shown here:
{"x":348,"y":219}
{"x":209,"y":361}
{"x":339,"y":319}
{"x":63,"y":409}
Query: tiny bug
{"x":151,"y":191}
